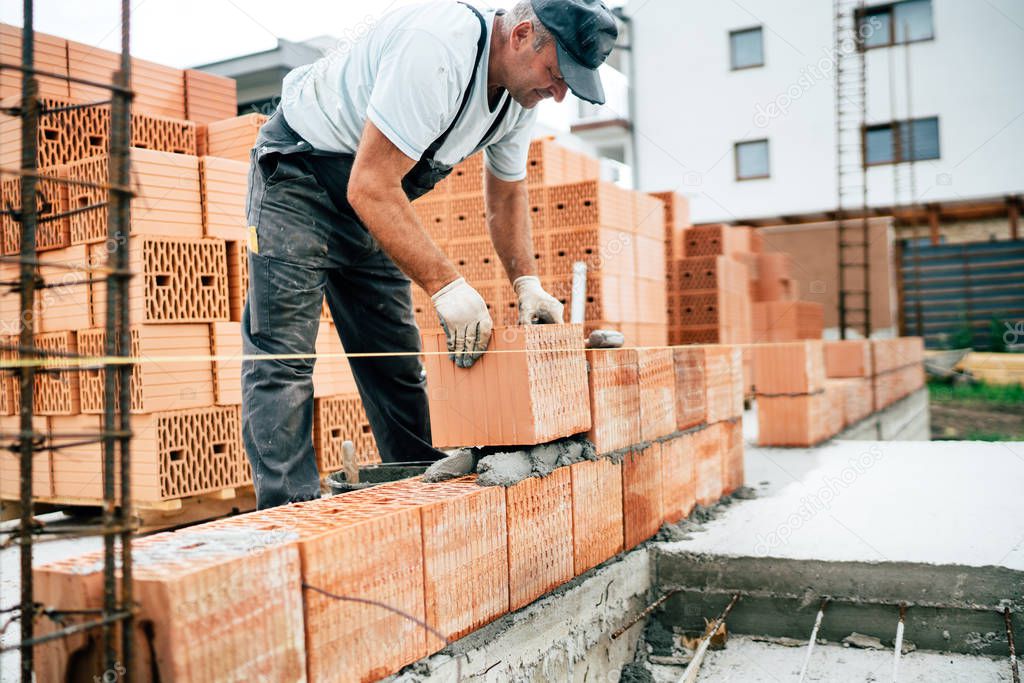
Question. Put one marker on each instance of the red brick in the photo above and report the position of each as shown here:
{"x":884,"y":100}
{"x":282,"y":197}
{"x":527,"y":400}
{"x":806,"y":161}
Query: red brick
{"x":223,"y":187}
{"x":657,"y":392}
{"x":527,"y":393}
{"x":337,"y":419}
{"x":175,"y":280}
{"x":57,"y":391}
{"x":233,"y":138}
{"x":10,"y":460}
{"x":789,"y":368}
{"x":717,"y":239}
{"x":691,"y":396}
{"x":465,"y":554}
{"x":892,"y":354}
{"x":188,"y":585}
{"x":540,"y":545}
{"x":858,"y":398}
{"x":799,"y":420}
{"x":732,"y":458}
{"x":642,"y":511}
{"x":774,"y":278}
{"x":209,"y":97}
{"x":678,"y":477}
{"x":597,"y":525}
{"x":849,"y":358}
{"x":591,"y":202}
{"x":710,"y":445}
{"x":155,"y":385}
{"x":614,"y":398}
{"x":723,"y":377}
{"x":50,"y":56}
{"x":549,"y":163}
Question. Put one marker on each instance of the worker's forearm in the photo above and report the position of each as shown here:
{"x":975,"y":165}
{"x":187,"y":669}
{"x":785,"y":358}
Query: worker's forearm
{"x":392,"y":221}
{"x":509,"y":223}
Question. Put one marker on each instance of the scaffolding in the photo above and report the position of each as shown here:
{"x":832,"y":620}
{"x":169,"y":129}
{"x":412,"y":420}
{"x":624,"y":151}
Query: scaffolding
{"x":852,"y":224}
{"x":114,"y":619}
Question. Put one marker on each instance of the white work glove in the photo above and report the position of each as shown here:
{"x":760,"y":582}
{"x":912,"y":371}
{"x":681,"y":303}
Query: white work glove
{"x":536,"y":307}
{"x":465,"y":320}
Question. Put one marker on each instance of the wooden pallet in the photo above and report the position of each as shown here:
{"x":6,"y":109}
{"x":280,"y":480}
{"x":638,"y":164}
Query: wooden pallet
{"x":151,"y":515}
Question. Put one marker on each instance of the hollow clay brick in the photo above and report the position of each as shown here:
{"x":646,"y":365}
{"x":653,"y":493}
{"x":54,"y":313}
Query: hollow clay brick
{"x":527,"y":393}
{"x":597,"y":527}
{"x":614,"y":398}
{"x":641,"y":494}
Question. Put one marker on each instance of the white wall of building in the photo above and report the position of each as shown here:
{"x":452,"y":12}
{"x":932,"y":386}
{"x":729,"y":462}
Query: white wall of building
{"x":690,"y":108}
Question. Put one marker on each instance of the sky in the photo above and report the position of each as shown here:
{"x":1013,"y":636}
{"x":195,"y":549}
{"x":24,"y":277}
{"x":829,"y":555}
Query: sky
{"x":184,"y":33}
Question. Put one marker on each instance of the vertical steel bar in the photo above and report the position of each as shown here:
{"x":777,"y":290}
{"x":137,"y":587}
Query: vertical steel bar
{"x":1014,"y":671}
{"x":28,"y":274}
{"x":119,"y":228}
{"x":813,"y":640}
{"x":898,"y":644}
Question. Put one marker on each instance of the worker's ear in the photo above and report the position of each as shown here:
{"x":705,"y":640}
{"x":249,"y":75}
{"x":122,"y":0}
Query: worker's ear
{"x":522,"y":35}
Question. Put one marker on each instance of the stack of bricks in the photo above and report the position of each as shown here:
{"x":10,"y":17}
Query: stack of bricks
{"x":454,"y":555}
{"x":809,"y":391}
{"x":574,"y":217}
{"x":709,"y":296}
{"x":778,"y":313}
{"x":188,"y":255}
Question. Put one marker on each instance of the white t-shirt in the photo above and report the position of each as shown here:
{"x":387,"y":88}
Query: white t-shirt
{"x":408,"y":74}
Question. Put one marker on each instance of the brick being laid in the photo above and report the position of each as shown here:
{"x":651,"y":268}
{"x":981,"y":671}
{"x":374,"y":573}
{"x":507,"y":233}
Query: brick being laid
{"x":789,"y":367}
{"x":527,"y":393}
{"x":597,"y":525}
{"x":176,"y":280}
{"x":614,"y":398}
{"x":337,"y":419}
{"x":201,"y":595}
{"x":678,"y":477}
{"x":540,"y":540}
{"x":642,"y":512}
{"x":657,"y":392}
{"x":691,"y":388}
{"x":156,"y":385}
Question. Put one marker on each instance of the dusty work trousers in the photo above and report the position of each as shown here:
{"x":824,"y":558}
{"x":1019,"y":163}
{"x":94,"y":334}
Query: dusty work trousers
{"x":308,"y":243}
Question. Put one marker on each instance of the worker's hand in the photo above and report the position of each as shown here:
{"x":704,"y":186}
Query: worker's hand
{"x":536,"y":307}
{"x":465,"y":320}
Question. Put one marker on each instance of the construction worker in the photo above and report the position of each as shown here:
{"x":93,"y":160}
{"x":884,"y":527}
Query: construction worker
{"x":357,"y":136}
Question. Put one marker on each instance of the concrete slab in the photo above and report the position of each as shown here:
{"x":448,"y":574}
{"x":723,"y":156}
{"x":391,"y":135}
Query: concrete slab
{"x":752,"y":661}
{"x":939,"y":502}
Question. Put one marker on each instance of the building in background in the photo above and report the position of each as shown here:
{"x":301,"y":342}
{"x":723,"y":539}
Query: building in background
{"x":734,"y":106}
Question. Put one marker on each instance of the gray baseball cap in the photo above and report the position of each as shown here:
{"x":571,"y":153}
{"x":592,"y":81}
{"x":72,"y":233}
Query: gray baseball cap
{"x":585,"y":33}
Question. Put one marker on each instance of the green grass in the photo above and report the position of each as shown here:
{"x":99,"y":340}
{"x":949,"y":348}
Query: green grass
{"x":981,"y":435}
{"x":980,"y":393}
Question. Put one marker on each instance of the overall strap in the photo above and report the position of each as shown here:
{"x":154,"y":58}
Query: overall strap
{"x":429,"y":153}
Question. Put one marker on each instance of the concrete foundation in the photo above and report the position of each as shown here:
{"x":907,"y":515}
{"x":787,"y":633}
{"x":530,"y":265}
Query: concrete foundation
{"x":566,"y":636}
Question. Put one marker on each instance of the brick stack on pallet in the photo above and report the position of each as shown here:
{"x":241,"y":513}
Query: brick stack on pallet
{"x":709,"y":302}
{"x":454,"y":555}
{"x":809,"y":391}
{"x":574,"y":217}
{"x":778,"y":313}
{"x":187,"y":252}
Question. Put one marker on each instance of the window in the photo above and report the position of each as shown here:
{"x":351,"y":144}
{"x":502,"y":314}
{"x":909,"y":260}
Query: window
{"x":746,"y":48}
{"x":900,"y":22}
{"x":901,"y":141}
{"x":751,"y":159}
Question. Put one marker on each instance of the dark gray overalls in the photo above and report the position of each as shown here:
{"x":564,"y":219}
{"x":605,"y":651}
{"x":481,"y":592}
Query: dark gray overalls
{"x":310,"y":244}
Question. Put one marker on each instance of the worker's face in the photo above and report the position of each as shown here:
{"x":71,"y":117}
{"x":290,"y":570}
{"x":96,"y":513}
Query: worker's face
{"x":535,"y":75}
